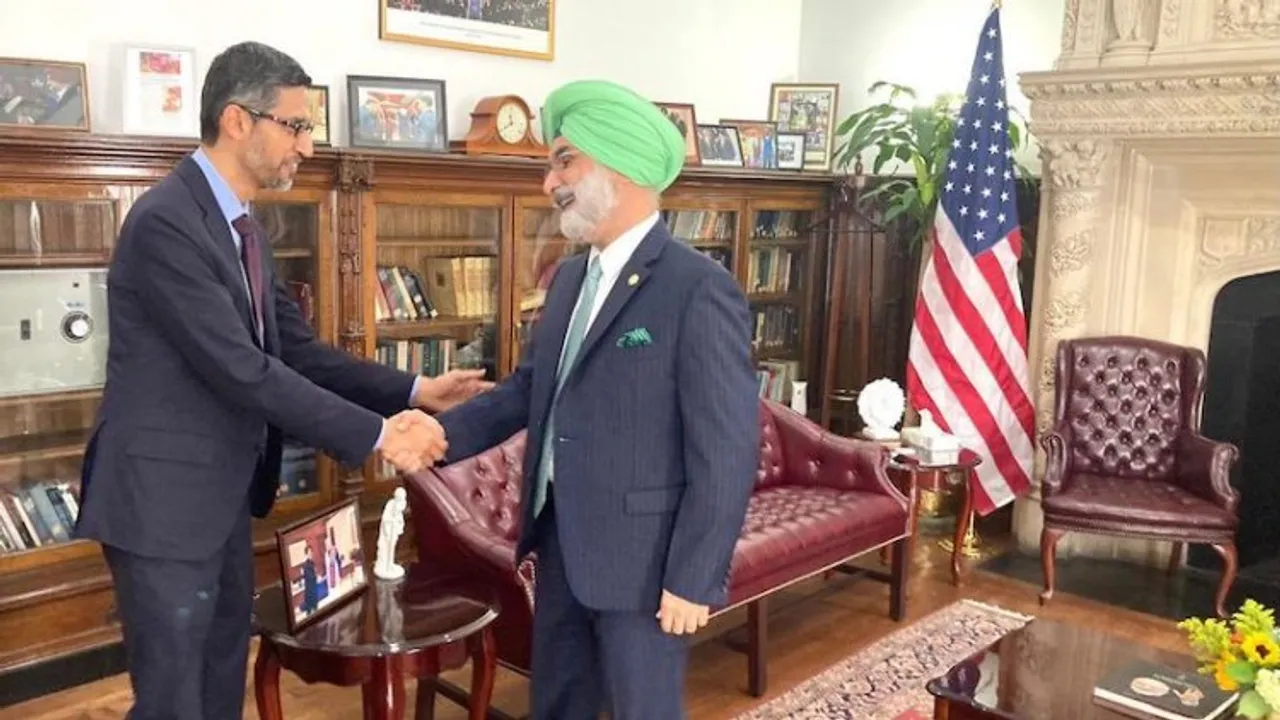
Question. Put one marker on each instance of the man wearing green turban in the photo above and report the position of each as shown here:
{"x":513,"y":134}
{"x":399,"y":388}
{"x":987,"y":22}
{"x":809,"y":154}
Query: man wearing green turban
{"x":641,"y":404}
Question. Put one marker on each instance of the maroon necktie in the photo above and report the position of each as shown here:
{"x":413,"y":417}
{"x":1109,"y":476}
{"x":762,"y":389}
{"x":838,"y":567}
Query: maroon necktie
{"x":251,"y":258}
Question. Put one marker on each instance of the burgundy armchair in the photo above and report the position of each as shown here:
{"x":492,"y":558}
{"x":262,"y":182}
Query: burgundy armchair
{"x":1125,"y":456}
{"x":819,"y":501}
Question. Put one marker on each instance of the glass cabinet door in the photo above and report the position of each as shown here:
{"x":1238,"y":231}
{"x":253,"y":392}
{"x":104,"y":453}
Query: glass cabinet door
{"x":55,"y":244}
{"x":778,"y":282}
{"x":294,"y":224}
{"x":709,"y":226}
{"x":436,"y":285}
{"x":540,"y":247}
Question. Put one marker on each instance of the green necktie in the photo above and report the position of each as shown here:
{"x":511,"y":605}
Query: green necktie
{"x":572,"y":343}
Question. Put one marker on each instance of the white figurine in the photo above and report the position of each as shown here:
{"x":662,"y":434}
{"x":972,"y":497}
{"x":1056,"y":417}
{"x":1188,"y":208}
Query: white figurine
{"x":800,"y":396}
{"x":880,"y":405}
{"x":389,"y":530}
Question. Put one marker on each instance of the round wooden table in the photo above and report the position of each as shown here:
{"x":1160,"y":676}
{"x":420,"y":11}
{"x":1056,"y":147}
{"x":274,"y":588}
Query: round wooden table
{"x":375,"y":639}
{"x":926,"y":475}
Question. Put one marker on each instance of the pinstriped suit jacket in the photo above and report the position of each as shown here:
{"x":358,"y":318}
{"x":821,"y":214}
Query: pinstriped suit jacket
{"x":657,"y":444}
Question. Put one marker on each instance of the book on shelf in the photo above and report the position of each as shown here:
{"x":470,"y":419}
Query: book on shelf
{"x":1142,"y":689}
{"x":701,"y":226}
{"x":36,"y":513}
{"x":775,"y":379}
{"x":779,"y":224}
{"x":774,"y":270}
{"x":447,"y":286}
{"x":777,"y":326}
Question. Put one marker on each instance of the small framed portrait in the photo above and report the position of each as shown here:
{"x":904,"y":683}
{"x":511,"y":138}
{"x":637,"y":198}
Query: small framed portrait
{"x":393,"y":113}
{"x":759,"y":142}
{"x":321,"y":562}
{"x":719,"y":146}
{"x":682,"y":116}
{"x":790,"y":151}
{"x":808,"y":109}
{"x":160,"y":92}
{"x":43,"y":95}
{"x":318,"y":109}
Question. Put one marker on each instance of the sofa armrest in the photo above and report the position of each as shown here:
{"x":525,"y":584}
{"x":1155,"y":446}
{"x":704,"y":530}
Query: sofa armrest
{"x":438,"y":515}
{"x":815,"y":457}
{"x":1057,"y":463}
{"x":1204,"y":469}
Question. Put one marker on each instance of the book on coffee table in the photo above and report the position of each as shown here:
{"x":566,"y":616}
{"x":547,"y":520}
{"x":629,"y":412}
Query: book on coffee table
{"x":1149,"y":690}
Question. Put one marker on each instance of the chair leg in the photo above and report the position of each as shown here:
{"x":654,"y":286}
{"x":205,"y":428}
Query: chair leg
{"x":1231,"y":564}
{"x":1049,"y":538}
{"x":757,"y":646}
{"x":899,"y":575}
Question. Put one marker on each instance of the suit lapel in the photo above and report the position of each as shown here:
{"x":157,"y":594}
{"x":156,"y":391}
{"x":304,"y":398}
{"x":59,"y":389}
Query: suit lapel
{"x":557,"y":314}
{"x":220,"y":230}
{"x":631,"y":279}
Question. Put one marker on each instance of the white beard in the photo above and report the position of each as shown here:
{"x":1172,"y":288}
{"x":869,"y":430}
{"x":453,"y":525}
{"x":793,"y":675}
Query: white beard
{"x":593,"y":201}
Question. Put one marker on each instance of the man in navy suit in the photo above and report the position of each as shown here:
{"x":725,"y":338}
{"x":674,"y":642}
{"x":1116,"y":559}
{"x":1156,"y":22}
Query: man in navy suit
{"x":210,"y":363}
{"x":640,"y":400}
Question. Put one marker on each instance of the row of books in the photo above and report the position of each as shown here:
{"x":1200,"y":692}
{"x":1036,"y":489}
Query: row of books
{"x":774,"y":270}
{"x":297,"y":470}
{"x":775,"y":379}
{"x":445,"y":286}
{"x":37,"y":513}
{"x":701,"y":225}
{"x":781,"y":224}
{"x":422,"y":356}
{"x":777,"y":327}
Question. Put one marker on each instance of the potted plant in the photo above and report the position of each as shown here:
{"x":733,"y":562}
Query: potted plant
{"x":918,"y":135}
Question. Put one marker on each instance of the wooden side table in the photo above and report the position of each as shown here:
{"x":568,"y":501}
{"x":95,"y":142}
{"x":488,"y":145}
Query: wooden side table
{"x":924,"y":476}
{"x":376,"y":639}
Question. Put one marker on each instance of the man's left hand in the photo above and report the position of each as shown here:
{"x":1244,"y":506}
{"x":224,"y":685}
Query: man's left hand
{"x":681,"y":617}
{"x":437,"y":394}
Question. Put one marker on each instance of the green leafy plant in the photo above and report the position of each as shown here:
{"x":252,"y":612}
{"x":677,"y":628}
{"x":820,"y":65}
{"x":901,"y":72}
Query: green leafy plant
{"x":919,"y":136}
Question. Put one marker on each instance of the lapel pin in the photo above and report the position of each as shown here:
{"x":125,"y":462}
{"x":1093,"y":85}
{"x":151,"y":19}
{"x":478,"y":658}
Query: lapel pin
{"x":633,"y":280}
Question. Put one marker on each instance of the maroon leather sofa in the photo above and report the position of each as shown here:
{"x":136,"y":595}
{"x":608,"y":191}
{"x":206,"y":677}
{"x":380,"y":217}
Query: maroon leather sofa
{"x":820,"y":500}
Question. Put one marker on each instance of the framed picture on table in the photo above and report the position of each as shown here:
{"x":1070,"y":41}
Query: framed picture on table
{"x":395,"y":113}
{"x":321,"y":563}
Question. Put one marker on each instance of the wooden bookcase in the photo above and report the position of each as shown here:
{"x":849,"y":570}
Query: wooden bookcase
{"x":423,"y":261}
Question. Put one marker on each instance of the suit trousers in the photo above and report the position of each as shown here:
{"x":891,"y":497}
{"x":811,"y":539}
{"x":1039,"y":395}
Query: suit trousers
{"x":586,"y":661}
{"x":186,"y":629}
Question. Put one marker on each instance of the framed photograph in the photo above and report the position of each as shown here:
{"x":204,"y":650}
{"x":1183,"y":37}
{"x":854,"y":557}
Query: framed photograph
{"x":321,"y":562}
{"x":160,"y":92}
{"x":397,"y":113}
{"x":520,"y":28}
{"x":719,"y":146}
{"x":809,"y":109}
{"x":790,"y":151}
{"x":683,"y":117}
{"x":758,"y":140}
{"x":43,"y":94}
{"x":318,"y":108}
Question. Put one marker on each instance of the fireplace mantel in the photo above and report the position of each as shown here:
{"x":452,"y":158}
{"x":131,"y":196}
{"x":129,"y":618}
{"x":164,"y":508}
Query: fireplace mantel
{"x":1159,"y":131}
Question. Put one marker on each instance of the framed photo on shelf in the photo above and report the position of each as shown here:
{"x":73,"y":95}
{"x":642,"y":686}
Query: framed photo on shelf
{"x":758,"y":140}
{"x":807,"y":108}
{"x":519,"y":28}
{"x":318,"y":108}
{"x":719,"y":145}
{"x":790,"y":151}
{"x":395,"y":113}
{"x":43,"y":94}
{"x":160,"y":93}
{"x":321,"y":563}
{"x":683,"y":117}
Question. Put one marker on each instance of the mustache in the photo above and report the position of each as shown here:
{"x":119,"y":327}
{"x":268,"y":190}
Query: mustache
{"x":563,"y":197}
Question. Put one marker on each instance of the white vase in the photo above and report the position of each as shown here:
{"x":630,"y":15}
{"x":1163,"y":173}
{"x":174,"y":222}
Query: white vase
{"x":800,"y":396}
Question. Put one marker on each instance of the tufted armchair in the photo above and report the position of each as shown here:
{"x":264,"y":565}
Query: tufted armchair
{"x":819,"y":501}
{"x":1125,"y":456}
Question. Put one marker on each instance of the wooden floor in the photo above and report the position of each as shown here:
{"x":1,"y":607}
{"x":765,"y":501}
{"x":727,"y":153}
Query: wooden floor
{"x":811,"y":627}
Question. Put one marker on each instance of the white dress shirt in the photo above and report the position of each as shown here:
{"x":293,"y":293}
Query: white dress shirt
{"x":612,"y":259}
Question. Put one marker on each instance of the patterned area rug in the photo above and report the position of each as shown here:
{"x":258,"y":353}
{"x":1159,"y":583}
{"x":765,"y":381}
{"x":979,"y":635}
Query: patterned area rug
{"x":886,"y":681}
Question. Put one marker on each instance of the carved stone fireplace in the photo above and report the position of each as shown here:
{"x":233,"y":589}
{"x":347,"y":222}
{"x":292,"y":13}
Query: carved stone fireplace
{"x":1160,"y":135}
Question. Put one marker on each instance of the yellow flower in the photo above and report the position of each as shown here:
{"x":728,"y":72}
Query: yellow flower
{"x":1261,"y":649}
{"x":1220,"y":676}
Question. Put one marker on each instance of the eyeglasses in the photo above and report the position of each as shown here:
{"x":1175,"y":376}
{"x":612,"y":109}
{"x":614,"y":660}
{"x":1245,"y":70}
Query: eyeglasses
{"x":297,"y":126}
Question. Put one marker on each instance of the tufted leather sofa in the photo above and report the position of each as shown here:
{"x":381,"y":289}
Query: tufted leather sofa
{"x":1125,"y":456}
{"x":820,"y":500}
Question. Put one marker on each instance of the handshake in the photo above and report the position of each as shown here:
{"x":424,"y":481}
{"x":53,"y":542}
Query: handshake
{"x":411,"y":441}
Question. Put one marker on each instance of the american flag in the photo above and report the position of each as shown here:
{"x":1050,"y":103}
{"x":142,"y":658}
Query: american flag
{"x":967,"y":361}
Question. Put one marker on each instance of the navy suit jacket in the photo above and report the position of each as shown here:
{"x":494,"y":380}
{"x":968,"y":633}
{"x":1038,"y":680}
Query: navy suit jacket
{"x":189,"y":430}
{"x":657,"y":445}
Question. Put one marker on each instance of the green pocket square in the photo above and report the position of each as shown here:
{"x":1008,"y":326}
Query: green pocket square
{"x":635,"y":338}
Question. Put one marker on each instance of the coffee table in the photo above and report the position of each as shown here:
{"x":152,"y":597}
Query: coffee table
{"x":1046,"y":669}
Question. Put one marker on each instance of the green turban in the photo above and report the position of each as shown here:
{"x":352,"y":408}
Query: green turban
{"x":618,"y":129}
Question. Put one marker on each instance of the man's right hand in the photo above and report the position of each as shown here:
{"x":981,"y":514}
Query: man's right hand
{"x":411,"y":441}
